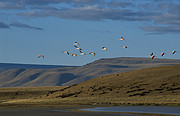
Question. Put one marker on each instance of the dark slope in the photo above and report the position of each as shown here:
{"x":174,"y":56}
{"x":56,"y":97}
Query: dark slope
{"x":34,"y":77}
{"x":72,"y":75}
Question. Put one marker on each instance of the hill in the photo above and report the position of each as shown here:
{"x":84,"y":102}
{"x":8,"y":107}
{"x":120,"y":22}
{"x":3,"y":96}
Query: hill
{"x":7,"y":66}
{"x":66,"y":76}
{"x":107,"y":66}
{"x":150,"y":86}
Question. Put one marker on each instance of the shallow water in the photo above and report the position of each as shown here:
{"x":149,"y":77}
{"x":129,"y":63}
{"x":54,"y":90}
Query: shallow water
{"x":137,"y":109}
{"x":74,"y":111}
{"x":54,"y":111}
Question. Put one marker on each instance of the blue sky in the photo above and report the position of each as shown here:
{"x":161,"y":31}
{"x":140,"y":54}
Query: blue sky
{"x":29,"y":28}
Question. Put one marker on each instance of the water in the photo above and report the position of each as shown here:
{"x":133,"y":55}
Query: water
{"x":101,"y":111}
{"x":135,"y":109}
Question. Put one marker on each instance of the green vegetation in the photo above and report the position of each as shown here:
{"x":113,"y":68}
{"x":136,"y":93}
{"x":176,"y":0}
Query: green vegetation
{"x":150,"y":86}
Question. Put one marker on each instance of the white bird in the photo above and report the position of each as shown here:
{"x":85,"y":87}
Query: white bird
{"x":77,"y":47}
{"x":104,"y":48}
{"x":151,"y":54}
{"x":121,"y":38}
{"x":82,"y":53}
{"x":76,"y":43}
{"x":124,"y":46}
{"x":92,"y":53}
{"x":66,"y":52}
{"x":162,"y":54}
{"x":41,"y":56}
{"x":173,"y":52}
{"x":74,"y":54}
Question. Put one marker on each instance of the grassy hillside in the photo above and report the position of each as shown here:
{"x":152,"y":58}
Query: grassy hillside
{"x":71,"y":75}
{"x":107,"y":66}
{"x":158,"y":86}
{"x":151,"y":84}
{"x":26,"y":92}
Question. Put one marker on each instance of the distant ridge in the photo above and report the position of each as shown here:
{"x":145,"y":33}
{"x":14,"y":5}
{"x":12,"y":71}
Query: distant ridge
{"x":6,"y":66}
{"x":70,"y":75}
{"x":106,"y":66}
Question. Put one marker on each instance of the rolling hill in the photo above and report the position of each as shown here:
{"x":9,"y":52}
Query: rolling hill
{"x":23,"y":77}
{"x":161,"y":83}
{"x":150,"y":86}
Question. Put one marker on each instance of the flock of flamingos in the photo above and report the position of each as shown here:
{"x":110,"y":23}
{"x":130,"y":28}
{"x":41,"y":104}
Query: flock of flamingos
{"x":76,"y":44}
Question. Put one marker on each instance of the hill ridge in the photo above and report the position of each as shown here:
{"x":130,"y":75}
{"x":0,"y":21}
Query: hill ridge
{"x":72,"y":75}
{"x":6,"y":66}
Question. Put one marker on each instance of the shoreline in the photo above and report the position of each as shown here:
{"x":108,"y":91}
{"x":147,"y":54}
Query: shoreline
{"x":110,"y":104}
{"x":87,"y":101}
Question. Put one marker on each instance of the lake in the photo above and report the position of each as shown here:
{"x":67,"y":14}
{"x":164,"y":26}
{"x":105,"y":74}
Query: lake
{"x":98,"y":111}
{"x":138,"y":109}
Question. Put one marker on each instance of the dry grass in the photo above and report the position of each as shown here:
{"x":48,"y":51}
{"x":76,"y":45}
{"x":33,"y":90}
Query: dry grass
{"x":26,"y":92}
{"x":153,"y":86}
{"x":91,"y":101}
